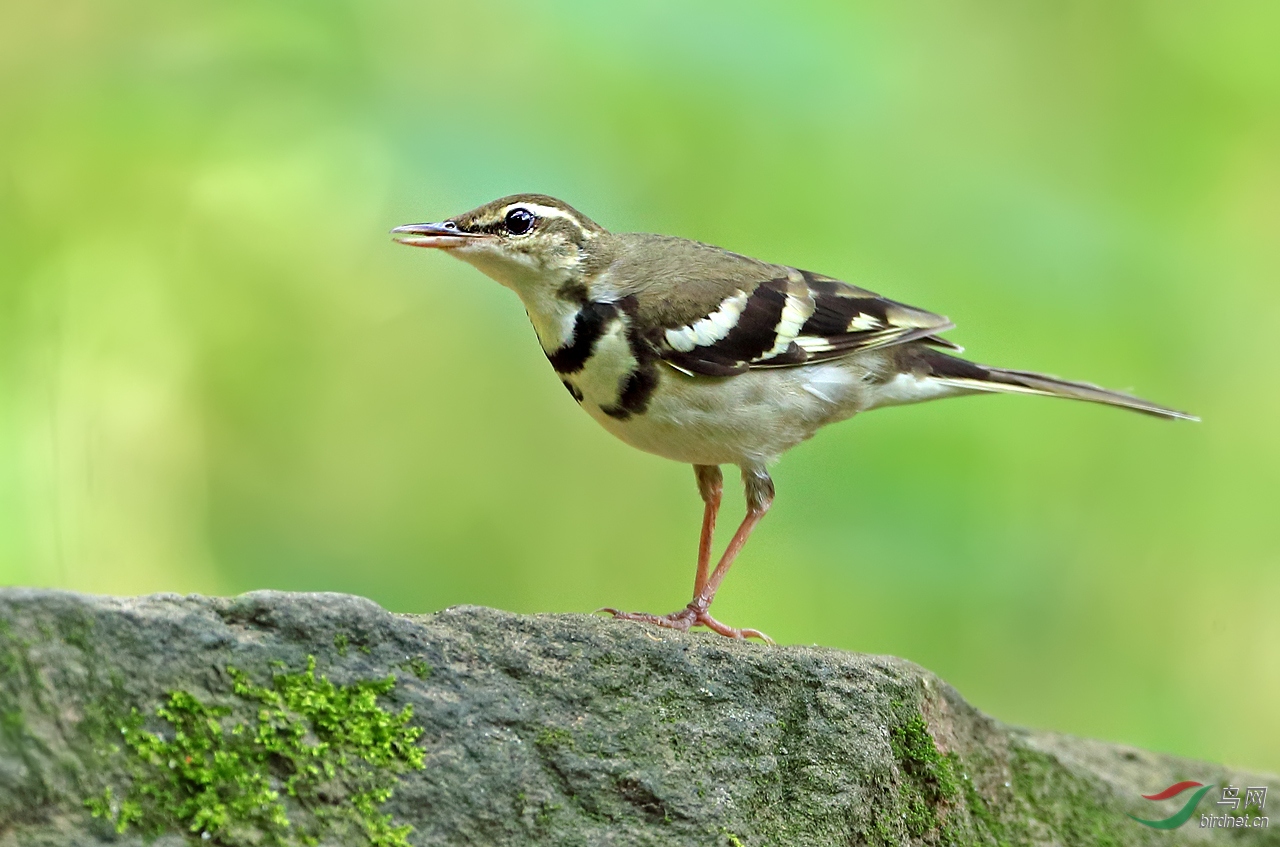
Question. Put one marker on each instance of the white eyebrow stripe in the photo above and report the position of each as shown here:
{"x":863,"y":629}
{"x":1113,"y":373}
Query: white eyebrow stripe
{"x":714,"y":327}
{"x":795,"y":312}
{"x":543,"y":211}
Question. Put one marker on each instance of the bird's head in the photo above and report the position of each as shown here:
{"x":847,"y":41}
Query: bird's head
{"x":522,"y":241}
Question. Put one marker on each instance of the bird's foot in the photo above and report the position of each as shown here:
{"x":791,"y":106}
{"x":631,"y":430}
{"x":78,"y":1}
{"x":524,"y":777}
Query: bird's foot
{"x":688,"y":617}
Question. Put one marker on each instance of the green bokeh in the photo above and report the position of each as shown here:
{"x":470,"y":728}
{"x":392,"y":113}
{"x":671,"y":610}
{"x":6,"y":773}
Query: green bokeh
{"x":218,"y":374}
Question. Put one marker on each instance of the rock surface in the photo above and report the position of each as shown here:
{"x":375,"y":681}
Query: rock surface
{"x":544,"y":729}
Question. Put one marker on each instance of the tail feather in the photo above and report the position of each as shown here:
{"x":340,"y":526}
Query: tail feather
{"x":969,"y":376}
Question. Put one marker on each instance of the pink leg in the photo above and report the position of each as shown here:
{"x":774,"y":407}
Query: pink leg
{"x":711,"y":487}
{"x":759,"y":489}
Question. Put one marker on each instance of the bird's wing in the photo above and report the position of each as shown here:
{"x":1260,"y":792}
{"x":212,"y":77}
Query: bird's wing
{"x":770,"y":316}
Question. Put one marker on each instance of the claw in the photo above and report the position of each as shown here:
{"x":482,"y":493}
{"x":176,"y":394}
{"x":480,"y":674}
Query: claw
{"x":687,"y":618}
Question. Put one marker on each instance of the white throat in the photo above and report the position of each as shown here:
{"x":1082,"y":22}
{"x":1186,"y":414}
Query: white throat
{"x":552,"y":316}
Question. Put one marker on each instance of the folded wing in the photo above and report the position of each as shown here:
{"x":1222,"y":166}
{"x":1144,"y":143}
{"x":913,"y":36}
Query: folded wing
{"x":790,"y":319}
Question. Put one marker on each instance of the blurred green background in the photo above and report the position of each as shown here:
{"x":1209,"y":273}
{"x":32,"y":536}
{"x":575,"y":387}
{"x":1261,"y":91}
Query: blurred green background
{"x":218,"y":374}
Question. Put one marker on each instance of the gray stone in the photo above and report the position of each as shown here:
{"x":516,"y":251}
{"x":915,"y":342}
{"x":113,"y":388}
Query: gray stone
{"x":568,"y":730}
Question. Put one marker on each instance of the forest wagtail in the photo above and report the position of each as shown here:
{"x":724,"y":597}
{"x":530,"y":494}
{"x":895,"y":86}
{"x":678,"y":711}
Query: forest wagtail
{"x":711,"y":357}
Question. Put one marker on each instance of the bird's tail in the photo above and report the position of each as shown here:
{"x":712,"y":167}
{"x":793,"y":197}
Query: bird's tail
{"x":971,"y":377}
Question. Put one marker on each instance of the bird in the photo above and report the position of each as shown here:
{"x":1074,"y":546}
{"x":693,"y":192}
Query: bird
{"x":710,"y":357}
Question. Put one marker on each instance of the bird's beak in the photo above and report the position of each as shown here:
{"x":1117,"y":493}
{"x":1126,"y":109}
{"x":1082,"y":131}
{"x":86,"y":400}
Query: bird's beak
{"x":442,"y":236}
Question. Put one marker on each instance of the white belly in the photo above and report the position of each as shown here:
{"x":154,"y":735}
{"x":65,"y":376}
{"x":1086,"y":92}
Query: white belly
{"x":749,"y":419}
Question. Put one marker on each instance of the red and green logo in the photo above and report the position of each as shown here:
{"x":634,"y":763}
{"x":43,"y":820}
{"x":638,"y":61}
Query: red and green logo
{"x":1182,"y":815}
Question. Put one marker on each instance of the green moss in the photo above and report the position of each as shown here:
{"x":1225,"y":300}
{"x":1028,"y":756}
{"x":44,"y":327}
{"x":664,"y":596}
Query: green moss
{"x":78,"y":632}
{"x":913,"y":746}
{"x":12,"y":652}
{"x":1045,"y":800}
{"x":417,"y":666}
{"x":19,"y":675}
{"x":929,"y":777}
{"x":11,"y":721}
{"x":12,"y":727}
{"x":985,"y":819}
{"x":554,"y":739}
{"x":542,"y":818}
{"x":1069,"y":805}
{"x":288,"y":763}
{"x":342,"y":643}
{"x":10,"y":664}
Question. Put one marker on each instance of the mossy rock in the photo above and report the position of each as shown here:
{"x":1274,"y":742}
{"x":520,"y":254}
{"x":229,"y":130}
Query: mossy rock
{"x":320,"y":718}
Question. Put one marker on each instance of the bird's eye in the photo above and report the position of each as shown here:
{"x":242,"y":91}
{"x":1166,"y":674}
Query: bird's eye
{"x":519,"y":221}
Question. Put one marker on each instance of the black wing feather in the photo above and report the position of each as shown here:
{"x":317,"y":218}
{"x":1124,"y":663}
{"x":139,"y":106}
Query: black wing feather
{"x":797,"y":319}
